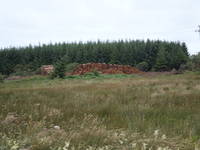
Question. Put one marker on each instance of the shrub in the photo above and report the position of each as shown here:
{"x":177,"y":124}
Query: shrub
{"x":2,"y":77}
{"x":24,"y":70}
{"x":95,"y":72}
{"x":89,"y":74}
{"x":190,"y":66}
{"x":92,"y":74}
{"x":143,"y":66}
{"x":23,"y":73}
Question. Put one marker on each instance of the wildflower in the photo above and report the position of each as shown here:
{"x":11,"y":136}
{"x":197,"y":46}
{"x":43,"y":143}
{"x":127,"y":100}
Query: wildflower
{"x":121,"y":142}
{"x":156,"y":133}
{"x":56,"y":127}
{"x":15,"y":146}
{"x":66,"y":145}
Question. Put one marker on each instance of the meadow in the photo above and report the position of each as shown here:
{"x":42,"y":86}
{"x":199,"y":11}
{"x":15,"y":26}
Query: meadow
{"x":108,"y":112}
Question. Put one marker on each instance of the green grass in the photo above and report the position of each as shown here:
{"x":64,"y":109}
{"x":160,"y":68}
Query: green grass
{"x":100,"y":76}
{"x":105,"y":111}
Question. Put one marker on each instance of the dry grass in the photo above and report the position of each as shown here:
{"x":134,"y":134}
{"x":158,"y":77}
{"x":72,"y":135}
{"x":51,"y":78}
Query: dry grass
{"x":154,"y":113}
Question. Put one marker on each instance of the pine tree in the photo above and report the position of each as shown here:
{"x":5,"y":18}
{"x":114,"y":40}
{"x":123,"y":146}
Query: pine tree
{"x":161,"y":61}
{"x":185,"y":49}
{"x":59,"y":70}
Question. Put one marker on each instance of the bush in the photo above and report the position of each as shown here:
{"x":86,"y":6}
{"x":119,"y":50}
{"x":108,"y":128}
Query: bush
{"x":95,"y":72}
{"x":22,"y":73}
{"x":195,"y":61}
{"x":23,"y":70}
{"x":190,"y":66}
{"x":143,"y":66}
{"x":59,"y":71}
{"x":92,"y":74}
{"x":2,"y":77}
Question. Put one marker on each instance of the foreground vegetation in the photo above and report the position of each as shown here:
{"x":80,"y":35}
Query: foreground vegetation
{"x":105,"y":112}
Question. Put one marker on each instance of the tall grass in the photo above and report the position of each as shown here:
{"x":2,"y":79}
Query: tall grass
{"x":114,"y":113}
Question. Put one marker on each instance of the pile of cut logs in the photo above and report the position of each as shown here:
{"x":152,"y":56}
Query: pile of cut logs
{"x":105,"y":69}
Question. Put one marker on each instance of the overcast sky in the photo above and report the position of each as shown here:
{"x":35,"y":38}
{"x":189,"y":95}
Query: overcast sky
{"x":32,"y":21}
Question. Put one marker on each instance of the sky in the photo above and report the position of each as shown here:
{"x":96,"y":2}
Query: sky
{"x":24,"y":22}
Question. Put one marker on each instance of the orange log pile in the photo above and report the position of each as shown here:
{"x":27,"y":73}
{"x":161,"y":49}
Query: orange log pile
{"x":105,"y":69}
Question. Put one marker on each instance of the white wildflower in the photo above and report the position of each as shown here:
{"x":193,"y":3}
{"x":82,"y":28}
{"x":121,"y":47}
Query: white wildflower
{"x":57,"y":127}
{"x":121,"y":142}
{"x":66,"y":145}
{"x":156,"y":133}
{"x":15,"y":146}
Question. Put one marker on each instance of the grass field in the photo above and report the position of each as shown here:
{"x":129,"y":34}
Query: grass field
{"x":115,"y":112}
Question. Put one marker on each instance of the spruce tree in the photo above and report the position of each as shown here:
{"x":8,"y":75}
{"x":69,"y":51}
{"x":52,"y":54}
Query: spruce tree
{"x":161,"y":61}
{"x":59,"y":70}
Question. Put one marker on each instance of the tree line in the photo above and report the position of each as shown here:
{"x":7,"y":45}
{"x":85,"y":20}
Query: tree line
{"x":147,"y":55}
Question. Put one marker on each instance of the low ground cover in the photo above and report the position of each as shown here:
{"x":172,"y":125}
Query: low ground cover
{"x":101,"y":112}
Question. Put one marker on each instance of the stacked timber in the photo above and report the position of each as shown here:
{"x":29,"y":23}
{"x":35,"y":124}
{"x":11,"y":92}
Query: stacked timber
{"x":105,"y":69}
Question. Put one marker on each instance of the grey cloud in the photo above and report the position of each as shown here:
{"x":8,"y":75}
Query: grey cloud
{"x":32,"y":21}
